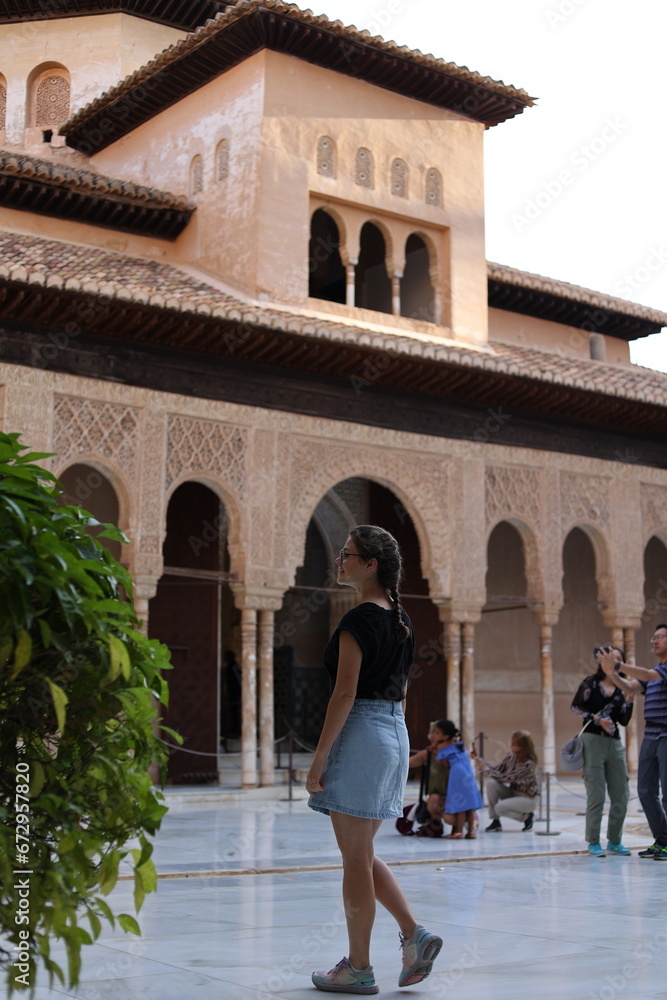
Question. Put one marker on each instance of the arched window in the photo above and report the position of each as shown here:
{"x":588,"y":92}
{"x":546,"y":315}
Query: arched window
{"x":433,"y":194}
{"x":364,"y":167}
{"x":417,"y":293}
{"x":196,"y":175}
{"x":326,"y":156}
{"x":325,"y":267}
{"x":399,"y":178}
{"x":3,"y":102}
{"x":50,"y":98}
{"x":222,"y":161}
{"x":372,"y":284}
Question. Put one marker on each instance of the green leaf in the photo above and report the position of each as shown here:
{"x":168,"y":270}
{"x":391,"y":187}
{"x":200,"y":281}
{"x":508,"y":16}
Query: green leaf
{"x":60,"y":700}
{"x":22,"y":653}
{"x":119,"y":659}
{"x":109,"y":871}
{"x":95,"y":924}
{"x":37,"y":778}
{"x":45,"y":629}
{"x":129,"y":924}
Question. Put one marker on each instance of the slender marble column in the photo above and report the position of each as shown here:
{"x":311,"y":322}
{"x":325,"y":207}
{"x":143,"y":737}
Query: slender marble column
{"x":396,"y":293}
{"x":249,"y":697}
{"x":266,"y":721}
{"x":350,"y":271}
{"x":453,"y":659}
{"x":547,"y":678}
{"x":468,"y":682}
{"x":631,"y":732}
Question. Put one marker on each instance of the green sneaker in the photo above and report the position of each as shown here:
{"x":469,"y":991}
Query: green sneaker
{"x":660,"y":854}
{"x":419,"y":953}
{"x":344,"y":979}
{"x":596,"y":850}
{"x":649,"y":851}
{"x":617,"y":849}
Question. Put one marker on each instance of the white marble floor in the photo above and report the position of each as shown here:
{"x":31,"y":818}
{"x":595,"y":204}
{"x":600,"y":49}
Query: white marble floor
{"x":522,"y":915}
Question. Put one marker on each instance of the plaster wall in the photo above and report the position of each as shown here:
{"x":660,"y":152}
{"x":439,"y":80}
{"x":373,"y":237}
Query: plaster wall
{"x":304,"y":102}
{"x":98,"y":51}
{"x":223,"y":236}
{"x":512,"y":328}
{"x":253,"y":228}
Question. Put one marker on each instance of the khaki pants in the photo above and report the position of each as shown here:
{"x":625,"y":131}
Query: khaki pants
{"x":605,"y":768}
{"x":505,"y":802}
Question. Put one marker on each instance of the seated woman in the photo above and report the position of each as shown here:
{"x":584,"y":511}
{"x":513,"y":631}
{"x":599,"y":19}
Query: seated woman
{"x":436,"y":780}
{"x":604,"y":706}
{"x":463,"y":797}
{"x":512,"y":787}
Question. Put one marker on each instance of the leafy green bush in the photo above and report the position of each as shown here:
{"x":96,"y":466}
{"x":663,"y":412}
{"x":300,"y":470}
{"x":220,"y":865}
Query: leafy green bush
{"x":78,"y":691}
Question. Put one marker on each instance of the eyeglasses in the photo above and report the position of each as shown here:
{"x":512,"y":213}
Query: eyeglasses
{"x":658,"y":638}
{"x":342,"y":555}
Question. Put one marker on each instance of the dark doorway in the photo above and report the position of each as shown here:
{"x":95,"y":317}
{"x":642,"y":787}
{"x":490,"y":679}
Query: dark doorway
{"x":325,"y":266}
{"x":185,"y":614}
{"x":417,"y":294}
{"x":372,"y":284}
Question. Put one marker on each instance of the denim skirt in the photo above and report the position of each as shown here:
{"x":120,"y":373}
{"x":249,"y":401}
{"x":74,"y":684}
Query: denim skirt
{"x":367,"y":767}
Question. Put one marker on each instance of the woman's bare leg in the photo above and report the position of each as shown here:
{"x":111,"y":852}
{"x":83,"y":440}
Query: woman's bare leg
{"x":354,"y":835}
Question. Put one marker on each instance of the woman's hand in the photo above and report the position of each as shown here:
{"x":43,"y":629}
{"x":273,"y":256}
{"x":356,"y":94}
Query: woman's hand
{"x":314,"y":779}
{"x":606,"y":724}
{"x":478,"y":762}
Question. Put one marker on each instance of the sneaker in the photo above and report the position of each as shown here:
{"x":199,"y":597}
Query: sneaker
{"x":528,"y":825}
{"x":419,"y":953}
{"x":617,"y":849}
{"x":649,"y":851}
{"x":596,"y":851}
{"x":494,"y":826}
{"x":660,"y":854}
{"x":344,"y":979}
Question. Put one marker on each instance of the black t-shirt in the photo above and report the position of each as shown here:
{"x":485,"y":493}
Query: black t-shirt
{"x":590,"y":700}
{"x":385,"y":662}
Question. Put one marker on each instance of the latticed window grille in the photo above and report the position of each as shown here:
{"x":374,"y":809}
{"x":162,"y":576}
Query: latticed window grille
{"x":364,"y":167}
{"x":326,"y":156}
{"x":196,"y":175}
{"x":399,"y":178}
{"x":222,"y":160}
{"x":52,"y":98}
{"x":3,"y":104}
{"x":433,"y":187}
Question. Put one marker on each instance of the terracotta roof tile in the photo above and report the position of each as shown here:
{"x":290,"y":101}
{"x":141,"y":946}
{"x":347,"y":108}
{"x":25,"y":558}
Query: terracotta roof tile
{"x":574,"y":293}
{"x":31,"y":260}
{"x":50,"y":187}
{"x":471,"y":84}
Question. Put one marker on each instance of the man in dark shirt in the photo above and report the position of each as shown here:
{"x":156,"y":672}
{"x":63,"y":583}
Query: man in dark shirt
{"x":652,"y":771}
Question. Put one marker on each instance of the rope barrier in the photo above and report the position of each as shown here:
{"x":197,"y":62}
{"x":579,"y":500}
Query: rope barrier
{"x":233,"y":753}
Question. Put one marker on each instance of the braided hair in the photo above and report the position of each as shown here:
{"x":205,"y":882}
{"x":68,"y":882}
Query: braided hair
{"x":376,"y":543}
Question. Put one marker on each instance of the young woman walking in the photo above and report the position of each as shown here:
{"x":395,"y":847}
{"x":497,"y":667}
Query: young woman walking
{"x":360,"y":766}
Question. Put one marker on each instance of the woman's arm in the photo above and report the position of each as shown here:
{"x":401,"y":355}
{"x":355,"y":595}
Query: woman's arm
{"x":340,"y":703}
{"x":417,"y":758}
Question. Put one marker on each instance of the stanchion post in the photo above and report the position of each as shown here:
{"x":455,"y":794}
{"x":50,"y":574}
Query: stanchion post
{"x":289,"y":766}
{"x":540,"y":817}
{"x":548,"y":832}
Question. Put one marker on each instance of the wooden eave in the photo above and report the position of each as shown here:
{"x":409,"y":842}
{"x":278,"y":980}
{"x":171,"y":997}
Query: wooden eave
{"x":48,"y":307}
{"x":200,"y":61}
{"x":185,"y":15}
{"x":110,"y":211}
{"x":559,"y":309}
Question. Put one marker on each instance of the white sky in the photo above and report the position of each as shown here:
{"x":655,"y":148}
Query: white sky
{"x":598,"y":69}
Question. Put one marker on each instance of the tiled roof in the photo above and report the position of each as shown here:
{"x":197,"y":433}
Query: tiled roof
{"x":48,"y":187}
{"x":248,"y":26}
{"x":535,"y":295}
{"x":182,"y":14}
{"x":40,"y":263}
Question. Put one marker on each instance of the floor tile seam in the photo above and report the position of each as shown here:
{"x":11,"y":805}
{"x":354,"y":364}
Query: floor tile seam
{"x":287,"y":869}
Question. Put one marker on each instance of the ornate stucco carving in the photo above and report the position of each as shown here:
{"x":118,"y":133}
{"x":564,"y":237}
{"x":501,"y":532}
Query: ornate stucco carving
{"x":93,"y":428}
{"x":513,"y":492}
{"x":654,"y":510}
{"x":584,"y":499}
{"x":206,"y":448}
